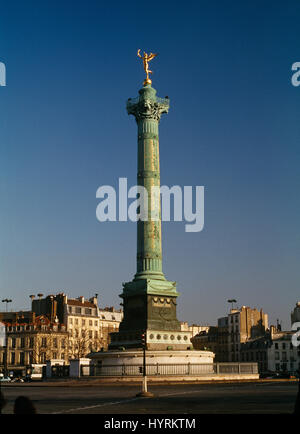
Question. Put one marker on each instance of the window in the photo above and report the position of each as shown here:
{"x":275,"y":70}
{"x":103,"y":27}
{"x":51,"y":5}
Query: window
{"x":55,"y":343}
{"x":90,"y":334}
{"x":54,"y":355}
{"x":71,"y":321}
{"x":90,"y":322}
{"x":83,"y":322}
{"x":78,"y":310}
{"x":96,"y":334}
{"x":76,"y":321}
{"x":70,"y":309}
{"x":44,"y":342}
{"x":12,"y":358}
{"x":96,"y":323}
{"x":284,"y":356}
{"x":283,"y":346}
{"x":277,"y":366}
{"x":276,"y":346}
{"x":88,"y":311}
{"x":31,"y":342}
{"x":13,"y":343}
{"x":63,"y":343}
{"x":277,"y":355}
{"x":22,"y":359}
{"x":22,"y":344}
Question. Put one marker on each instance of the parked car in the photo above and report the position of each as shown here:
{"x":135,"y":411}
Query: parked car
{"x":5,"y":379}
{"x":283,"y":375}
{"x":17,"y":380}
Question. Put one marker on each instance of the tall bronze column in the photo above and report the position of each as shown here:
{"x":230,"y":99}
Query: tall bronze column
{"x":149,"y":300}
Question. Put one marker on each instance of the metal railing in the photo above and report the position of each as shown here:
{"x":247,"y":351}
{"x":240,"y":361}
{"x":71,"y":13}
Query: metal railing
{"x":202,"y":369}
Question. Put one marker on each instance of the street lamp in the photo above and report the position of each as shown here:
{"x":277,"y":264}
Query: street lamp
{"x":6,"y":300}
{"x":232,"y":300}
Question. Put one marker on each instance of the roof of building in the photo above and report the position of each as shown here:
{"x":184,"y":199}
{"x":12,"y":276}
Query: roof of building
{"x":75,"y":302}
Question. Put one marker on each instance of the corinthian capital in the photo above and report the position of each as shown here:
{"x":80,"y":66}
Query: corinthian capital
{"x":147,"y":108}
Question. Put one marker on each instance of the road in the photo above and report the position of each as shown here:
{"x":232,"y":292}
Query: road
{"x":257,"y":397}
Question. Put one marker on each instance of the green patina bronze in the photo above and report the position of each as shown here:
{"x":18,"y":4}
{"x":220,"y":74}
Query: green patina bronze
{"x":149,"y":300}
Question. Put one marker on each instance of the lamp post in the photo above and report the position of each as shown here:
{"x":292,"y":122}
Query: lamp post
{"x":144,"y":393}
{"x":232,"y":300}
{"x":6,"y":300}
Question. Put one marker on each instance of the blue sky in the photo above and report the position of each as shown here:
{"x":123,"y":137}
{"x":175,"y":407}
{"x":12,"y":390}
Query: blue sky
{"x":233,"y":127}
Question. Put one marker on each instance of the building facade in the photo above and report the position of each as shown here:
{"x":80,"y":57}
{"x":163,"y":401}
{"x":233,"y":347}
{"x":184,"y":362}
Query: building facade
{"x":194,"y":329}
{"x":89,"y":327}
{"x":244,"y":324}
{"x":273,"y":352}
{"x":226,"y":338}
{"x":29,"y":340}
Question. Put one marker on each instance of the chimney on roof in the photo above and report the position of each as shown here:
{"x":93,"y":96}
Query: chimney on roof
{"x":272,"y":330}
{"x":94,"y":300}
{"x":81,"y":299}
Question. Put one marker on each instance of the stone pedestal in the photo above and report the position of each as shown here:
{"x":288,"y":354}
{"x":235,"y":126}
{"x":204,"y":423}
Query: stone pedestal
{"x":130,"y":362}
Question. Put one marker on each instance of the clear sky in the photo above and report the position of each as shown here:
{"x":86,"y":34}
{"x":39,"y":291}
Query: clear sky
{"x":233,"y":127}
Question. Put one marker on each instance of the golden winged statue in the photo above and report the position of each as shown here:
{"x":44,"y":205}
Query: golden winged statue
{"x":146,"y":59}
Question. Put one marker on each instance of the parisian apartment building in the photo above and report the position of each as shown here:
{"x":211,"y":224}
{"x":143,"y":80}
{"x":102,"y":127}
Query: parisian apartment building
{"x":88,"y":325}
{"x":57,"y":327}
{"x":274,"y":352}
{"x":30,"y":339}
{"x":245,"y":336}
{"x":226,"y":338}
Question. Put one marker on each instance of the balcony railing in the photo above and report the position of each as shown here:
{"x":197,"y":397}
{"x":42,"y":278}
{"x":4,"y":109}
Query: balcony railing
{"x":202,"y":369}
